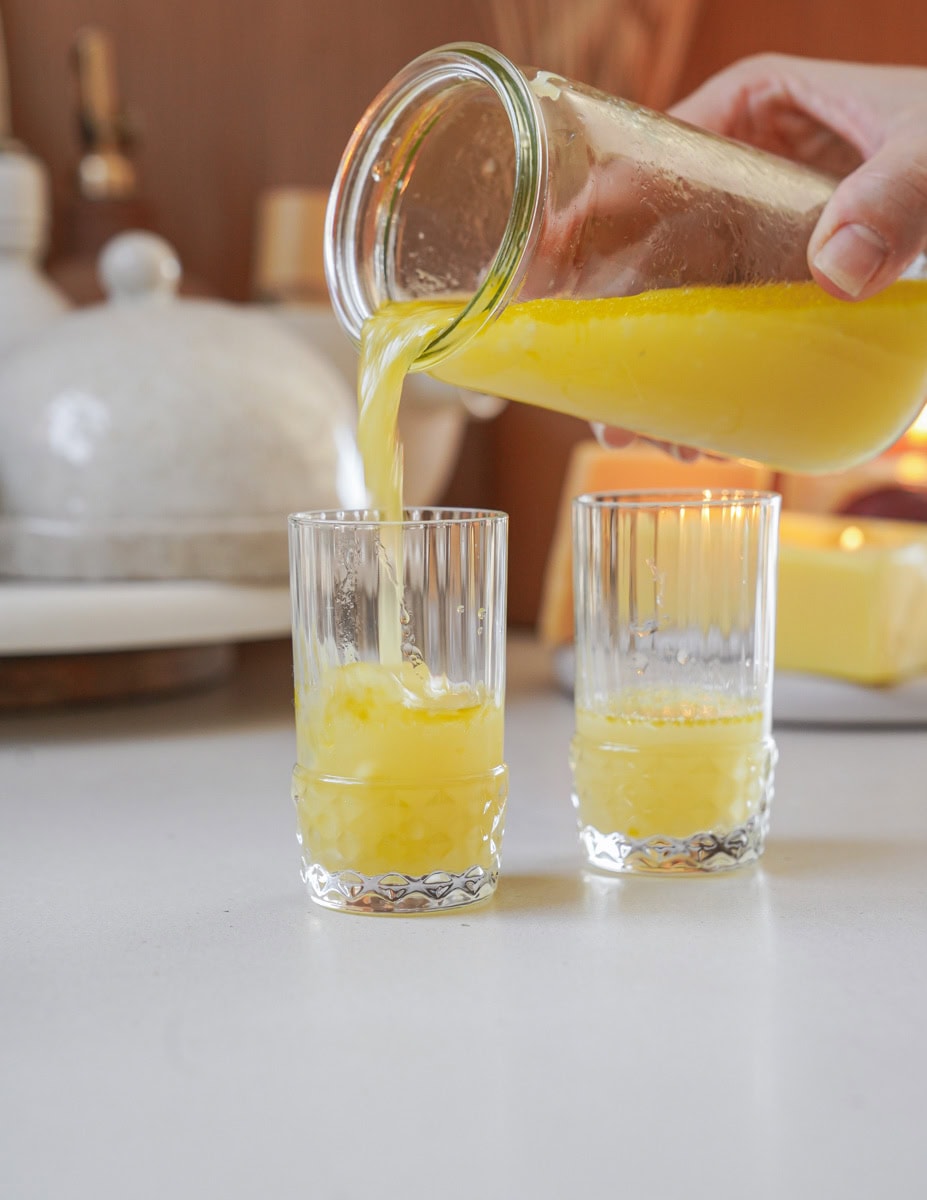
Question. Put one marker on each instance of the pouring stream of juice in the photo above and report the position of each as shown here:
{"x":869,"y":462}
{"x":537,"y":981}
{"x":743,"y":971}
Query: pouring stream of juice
{"x":387,"y":354}
{"x":399,"y":770}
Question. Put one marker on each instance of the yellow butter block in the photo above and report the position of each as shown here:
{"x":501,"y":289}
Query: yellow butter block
{"x":594,"y":469}
{"x":852,"y":598}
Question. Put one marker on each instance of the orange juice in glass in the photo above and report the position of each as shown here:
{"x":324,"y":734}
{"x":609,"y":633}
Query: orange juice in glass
{"x":673,"y":757}
{"x":399,"y":649}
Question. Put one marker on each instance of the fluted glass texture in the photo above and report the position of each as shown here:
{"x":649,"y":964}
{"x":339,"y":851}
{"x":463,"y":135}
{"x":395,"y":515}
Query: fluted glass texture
{"x":675,"y":617}
{"x":399,"y":664}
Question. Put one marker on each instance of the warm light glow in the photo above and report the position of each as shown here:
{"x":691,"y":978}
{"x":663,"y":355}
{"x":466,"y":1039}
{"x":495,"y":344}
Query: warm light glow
{"x":911,"y":467}
{"x":917,"y":434}
{"x":851,"y":538}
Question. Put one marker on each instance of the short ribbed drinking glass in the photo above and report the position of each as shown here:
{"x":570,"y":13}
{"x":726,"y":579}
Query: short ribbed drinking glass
{"x":675,"y":617}
{"x":399,"y":657}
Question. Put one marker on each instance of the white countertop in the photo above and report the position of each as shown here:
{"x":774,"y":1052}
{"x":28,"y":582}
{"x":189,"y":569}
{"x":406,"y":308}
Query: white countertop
{"x":179,"y":1021}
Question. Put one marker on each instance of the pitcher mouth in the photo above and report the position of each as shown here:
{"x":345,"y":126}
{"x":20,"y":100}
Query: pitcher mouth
{"x":366,"y":199}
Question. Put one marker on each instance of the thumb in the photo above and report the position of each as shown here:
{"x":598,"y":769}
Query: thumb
{"x":875,"y":223}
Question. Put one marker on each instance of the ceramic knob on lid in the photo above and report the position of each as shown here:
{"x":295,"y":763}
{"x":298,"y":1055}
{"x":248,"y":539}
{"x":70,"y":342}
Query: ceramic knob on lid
{"x":139,"y":266}
{"x":158,"y":437}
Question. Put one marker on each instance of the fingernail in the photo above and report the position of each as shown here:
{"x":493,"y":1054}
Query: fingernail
{"x":610,"y":438}
{"x":851,"y":257}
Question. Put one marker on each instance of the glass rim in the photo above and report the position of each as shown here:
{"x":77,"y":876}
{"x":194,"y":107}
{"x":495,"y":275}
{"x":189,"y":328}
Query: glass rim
{"x":676,"y":498}
{"x":456,"y":63}
{"x":414,"y":517}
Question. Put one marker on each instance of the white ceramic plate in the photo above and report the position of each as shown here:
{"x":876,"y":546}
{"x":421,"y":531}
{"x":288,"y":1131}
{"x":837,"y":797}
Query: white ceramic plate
{"x":72,"y":618}
{"x":816,"y":700}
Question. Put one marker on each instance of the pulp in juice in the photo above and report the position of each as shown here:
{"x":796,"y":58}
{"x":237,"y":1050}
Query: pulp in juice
{"x":398,"y":772}
{"x":670,"y":765}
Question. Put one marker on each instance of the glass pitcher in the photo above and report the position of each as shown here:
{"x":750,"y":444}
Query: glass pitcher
{"x":579,"y":252}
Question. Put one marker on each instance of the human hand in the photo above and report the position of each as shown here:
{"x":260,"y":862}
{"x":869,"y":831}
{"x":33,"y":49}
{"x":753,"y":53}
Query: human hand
{"x":613,"y":438}
{"x":865,"y":123}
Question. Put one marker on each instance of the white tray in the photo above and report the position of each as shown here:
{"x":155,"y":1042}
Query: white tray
{"x":74,"y":618}
{"x":816,"y":700}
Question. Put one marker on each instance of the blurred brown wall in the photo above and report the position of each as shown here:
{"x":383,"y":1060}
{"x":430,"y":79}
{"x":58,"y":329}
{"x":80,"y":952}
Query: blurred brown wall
{"x":231,"y":95}
{"x":236,"y":95}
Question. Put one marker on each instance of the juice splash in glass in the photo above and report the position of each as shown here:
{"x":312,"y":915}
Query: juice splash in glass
{"x":675,"y":615}
{"x":399,"y":650}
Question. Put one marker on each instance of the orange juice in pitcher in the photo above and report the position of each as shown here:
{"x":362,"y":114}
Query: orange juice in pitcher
{"x":548,"y":243}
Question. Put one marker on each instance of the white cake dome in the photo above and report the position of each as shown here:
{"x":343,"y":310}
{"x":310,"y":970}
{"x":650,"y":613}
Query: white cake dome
{"x":153,"y":436}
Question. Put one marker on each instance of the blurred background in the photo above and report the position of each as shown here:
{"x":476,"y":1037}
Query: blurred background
{"x":219,"y":101}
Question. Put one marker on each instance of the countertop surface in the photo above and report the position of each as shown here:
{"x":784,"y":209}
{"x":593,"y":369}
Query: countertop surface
{"x":177,"y":1020}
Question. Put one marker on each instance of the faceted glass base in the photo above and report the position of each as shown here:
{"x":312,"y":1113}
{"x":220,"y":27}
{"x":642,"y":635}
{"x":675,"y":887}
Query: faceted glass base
{"x":701,"y":853}
{"x":350,"y":891}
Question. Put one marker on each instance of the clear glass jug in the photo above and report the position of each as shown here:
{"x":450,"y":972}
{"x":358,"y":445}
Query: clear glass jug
{"x":603,"y":259}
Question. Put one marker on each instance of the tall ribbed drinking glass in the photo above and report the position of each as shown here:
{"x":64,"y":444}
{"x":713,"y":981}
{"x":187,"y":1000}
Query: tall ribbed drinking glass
{"x":399,"y":655}
{"x":675,"y":597}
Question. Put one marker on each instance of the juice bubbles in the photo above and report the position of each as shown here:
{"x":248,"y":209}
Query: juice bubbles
{"x":674,"y":767}
{"x":780,"y":373}
{"x":398,"y":777}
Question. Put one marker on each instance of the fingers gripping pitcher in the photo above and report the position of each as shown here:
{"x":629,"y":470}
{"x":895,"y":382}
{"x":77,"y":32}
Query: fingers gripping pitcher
{"x":549,"y":243}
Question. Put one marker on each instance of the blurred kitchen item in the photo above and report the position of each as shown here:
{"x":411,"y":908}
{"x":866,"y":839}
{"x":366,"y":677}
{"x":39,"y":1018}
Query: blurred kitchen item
{"x":68,"y":642}
{"x":28,"y":301}
{"x":156,"y":437}
{"x":106,"y":199}
{"x":289,"y":277}
{"x":105,"y":171}
{"x":810,"y":700}
{"x":288,"y":262}
{"x":893,"y":503}
{"x":852,"y":598}
{"x":42,"y":682}
{"x":67,"y":617}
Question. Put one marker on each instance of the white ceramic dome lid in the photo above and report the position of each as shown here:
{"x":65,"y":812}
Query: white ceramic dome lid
{"x":160,"y":436}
